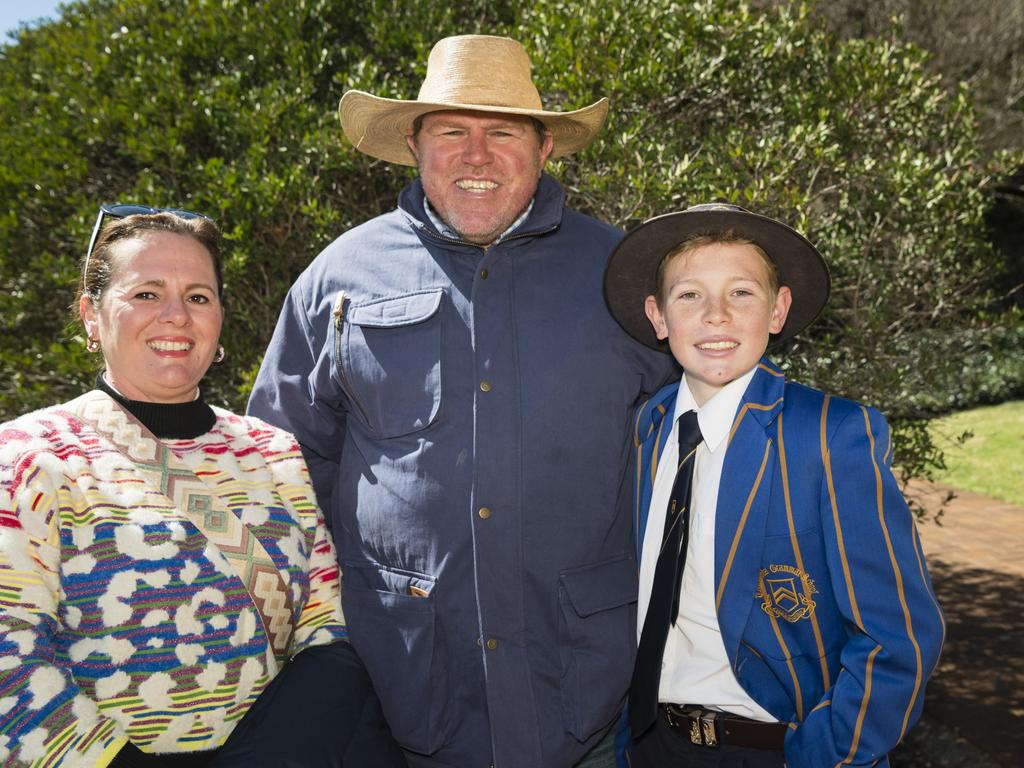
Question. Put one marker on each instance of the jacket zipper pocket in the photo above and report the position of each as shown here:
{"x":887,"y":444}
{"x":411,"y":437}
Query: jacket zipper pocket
{"x":339,"y":323}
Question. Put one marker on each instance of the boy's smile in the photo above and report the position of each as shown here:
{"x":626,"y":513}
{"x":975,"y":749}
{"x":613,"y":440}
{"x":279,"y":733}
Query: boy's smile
{"x":717,"y":312}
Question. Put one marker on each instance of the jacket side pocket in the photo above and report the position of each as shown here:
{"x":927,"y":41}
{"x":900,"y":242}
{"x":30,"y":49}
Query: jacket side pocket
{"x":393,"y":626}
{"x":598,"y":642}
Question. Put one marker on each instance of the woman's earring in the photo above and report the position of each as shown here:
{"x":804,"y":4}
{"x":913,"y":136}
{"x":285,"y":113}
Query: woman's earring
{"x":219,"y":357}
{"x":92,"y":345}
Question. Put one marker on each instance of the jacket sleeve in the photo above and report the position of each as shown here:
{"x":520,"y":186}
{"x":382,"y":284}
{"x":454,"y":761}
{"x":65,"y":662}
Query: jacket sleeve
{"x":297,"y":390}
{"x":44,"y":717}
{"x":883,"y":589}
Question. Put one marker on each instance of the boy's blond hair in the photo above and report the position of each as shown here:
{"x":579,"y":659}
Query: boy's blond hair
{"x":691,"y":244}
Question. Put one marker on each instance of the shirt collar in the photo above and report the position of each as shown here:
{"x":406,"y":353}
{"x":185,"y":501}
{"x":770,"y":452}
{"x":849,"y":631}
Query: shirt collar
{"x":447,"y":231}
{"x":716,"y":415}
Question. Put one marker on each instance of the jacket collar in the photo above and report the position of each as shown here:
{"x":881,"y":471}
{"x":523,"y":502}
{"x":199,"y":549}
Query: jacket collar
{"x":762,"y":402}
{"x":546,"y":215}
{"x":659,"y":407}
{"x":763,"y":399}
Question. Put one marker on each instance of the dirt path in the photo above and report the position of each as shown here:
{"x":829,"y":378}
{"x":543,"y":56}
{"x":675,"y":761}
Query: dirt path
{"x":974,"y":707}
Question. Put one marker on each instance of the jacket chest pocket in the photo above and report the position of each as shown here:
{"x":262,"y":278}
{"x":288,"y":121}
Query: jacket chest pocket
{"x":388,"y":360}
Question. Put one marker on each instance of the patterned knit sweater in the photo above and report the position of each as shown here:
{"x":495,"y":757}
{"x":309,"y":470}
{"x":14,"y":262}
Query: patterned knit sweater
{"x":119,"y":617}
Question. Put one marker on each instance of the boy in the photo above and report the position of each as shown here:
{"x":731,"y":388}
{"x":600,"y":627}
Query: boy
{"x":785,"y":613}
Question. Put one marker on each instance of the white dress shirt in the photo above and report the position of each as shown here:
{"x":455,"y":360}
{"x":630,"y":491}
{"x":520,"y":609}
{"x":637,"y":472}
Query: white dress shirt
{"x":695,"y":668}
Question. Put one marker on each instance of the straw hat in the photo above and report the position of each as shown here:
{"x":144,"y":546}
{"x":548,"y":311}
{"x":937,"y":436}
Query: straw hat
{"x":631,"y":274}
{"x":472,"y":72}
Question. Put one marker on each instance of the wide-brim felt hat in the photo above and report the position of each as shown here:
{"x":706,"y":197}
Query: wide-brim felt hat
{"x":631,"y":274}
{"x":482,"y":73}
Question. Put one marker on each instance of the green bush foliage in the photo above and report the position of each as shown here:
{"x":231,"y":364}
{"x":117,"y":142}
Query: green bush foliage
{"x":228,"y":107}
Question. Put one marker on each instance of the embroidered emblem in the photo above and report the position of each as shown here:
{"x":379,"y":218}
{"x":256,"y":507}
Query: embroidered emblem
{"x":785,"y":592}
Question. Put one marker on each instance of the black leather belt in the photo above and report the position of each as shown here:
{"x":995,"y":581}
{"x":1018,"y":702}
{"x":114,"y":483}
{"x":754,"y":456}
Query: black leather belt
{"x":709,"y":728}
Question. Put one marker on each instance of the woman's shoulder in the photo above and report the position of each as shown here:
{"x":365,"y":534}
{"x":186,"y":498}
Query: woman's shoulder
{"x":257,"y":444}
{"x":250,"y":429}
{"x":46,"y":439}
{"x":46,"y":425}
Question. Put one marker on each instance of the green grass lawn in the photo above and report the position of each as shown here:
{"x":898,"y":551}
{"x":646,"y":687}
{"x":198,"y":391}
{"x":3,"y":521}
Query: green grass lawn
{"x":992,"y":461}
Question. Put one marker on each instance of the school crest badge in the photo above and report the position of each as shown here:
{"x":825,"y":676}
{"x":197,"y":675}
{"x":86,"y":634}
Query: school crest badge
{"x":785,"y":592}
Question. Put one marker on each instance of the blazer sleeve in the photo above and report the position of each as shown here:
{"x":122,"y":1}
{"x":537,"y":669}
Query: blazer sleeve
{"x":44,"y":716}
{"x":883,"y":589}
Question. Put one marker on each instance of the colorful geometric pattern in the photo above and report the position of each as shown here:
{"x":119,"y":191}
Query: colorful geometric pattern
{"x":149,"y":590}
{"x":220,"y":526}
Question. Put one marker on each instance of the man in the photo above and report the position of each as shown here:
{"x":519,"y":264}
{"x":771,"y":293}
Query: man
{"x":463,"y":399}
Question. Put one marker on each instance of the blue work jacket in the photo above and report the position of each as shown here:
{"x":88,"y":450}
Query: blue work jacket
{"x":466,"y":415}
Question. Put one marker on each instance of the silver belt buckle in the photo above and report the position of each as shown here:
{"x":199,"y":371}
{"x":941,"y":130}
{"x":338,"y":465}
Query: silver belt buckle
{"x":707,"y":724}
{"x":695,"y":736}
{"x":702,"y":726}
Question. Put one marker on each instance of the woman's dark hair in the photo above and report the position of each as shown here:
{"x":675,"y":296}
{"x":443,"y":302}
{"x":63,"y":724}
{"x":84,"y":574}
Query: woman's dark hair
{"x":99,"y":267}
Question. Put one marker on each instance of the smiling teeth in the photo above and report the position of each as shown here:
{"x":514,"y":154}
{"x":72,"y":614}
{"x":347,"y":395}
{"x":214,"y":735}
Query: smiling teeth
{"x":171,"y":346}
{"x":716,"y":345}
{"x":475,"y":184}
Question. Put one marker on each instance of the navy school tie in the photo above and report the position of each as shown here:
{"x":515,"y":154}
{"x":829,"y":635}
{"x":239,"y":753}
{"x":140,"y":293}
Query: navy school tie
{"x":664,"y":605}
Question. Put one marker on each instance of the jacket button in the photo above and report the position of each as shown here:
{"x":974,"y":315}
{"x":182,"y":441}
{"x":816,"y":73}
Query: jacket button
{"x":484,"y":513}
{"x":483,"y":274}
{"x":492,"y":644}
{"x":485,"y":386}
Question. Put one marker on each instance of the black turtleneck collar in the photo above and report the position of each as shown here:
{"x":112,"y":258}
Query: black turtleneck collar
{"x":172,"y":421}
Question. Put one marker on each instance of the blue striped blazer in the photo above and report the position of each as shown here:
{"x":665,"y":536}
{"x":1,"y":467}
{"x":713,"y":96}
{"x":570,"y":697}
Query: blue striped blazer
{"x":824,"y":603}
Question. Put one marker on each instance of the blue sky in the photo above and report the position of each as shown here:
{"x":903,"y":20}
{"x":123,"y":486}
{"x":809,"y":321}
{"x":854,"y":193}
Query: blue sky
{"x":14,"y":11}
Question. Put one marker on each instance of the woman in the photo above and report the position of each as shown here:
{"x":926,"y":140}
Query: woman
{"x":162,"y":561}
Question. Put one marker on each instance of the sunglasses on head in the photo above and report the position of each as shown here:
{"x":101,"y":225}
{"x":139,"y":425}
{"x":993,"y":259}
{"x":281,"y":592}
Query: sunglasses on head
{"x":120,"y":211}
